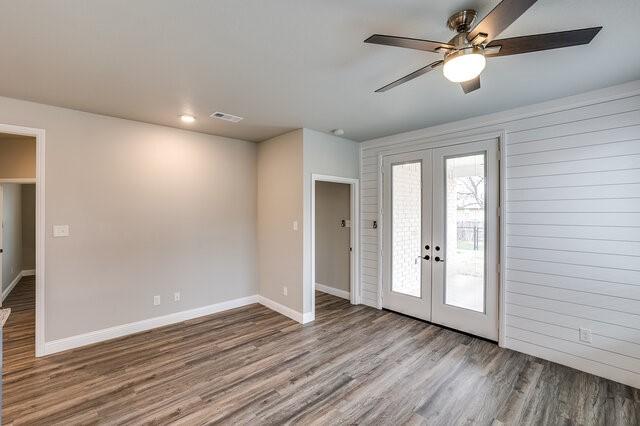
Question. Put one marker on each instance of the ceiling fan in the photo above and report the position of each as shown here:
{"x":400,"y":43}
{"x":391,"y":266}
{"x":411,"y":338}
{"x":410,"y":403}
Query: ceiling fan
{"x":465,"y":54}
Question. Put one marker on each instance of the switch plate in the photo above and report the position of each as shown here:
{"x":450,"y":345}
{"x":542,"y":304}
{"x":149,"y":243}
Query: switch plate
{"x":60,"y":230}
{"x":176,"y":296}
{"x":585,"y":335}
{"x":295,"y":225}
{"x":156,"y":300}
{"x":285,"y":291}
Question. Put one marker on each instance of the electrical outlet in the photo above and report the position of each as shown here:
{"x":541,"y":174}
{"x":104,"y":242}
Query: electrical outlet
{"x":156,"y":300}
{"x":176,"y":296}
{"x":585,"y":335}
{"x":284,"y":291}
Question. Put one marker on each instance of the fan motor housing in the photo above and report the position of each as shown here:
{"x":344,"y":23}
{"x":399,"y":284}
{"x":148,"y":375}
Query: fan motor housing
{"x":461,"y":21}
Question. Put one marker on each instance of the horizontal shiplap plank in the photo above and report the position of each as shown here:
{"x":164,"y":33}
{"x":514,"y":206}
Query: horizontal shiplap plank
{"x":574,"y":115}
{"x":626,"y":205}
{"x":580,"y":218}
{"x":573,"y":145}
{"x":594,"y":147}
{"x":574,"y":296}
{"x":369,"y":208}
{"x":576,"y":271}
{"x":606,"y":288}
{"x":581,"y":311}
{"x":631,"y":263}
{"x":368,"y":193}
{"x":605,"y":343}
{"x":369,"y":255}
{"x":609,"y":121}
{"x":547,"y":350}
{"x":628,"y":248}
{"x":586,"y":351}
{"x":580,"y":192}
{"x":614,"y":177}
{"x":613,"y":331}
{"x":594,"y":165}
{"x":612,"y":233}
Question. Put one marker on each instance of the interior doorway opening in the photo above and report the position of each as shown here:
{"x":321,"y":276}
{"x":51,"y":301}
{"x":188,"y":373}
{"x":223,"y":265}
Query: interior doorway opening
{"x":334,"y":241}
{"x":22,"y":239}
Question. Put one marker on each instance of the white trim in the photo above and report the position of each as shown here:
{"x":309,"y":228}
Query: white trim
{"x":333,"y":291}
{"x":18,"y":180}
{"x":488,"y":122}
{"x":355,"y":287}
{"x":11,"y":286}
{"x":28,"y":272}
{"x":502,"y":239}
{"x":39,"y":134}
{"x":308,"y":317}
{"x":144,"y":325}
{"x":284,"y":310}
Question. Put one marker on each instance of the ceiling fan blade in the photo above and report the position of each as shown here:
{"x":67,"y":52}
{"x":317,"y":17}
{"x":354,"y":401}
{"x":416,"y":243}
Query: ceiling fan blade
{"x":499,"y":19}
{"x":537,"y":42}
{"x":409,"y":43}
{"x":411,"y":76}
{"x":471,"y":85}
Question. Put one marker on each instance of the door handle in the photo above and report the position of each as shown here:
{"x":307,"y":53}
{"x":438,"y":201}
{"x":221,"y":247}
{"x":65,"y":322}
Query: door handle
{"x":426,"y":257}
{"x":437,"y":259}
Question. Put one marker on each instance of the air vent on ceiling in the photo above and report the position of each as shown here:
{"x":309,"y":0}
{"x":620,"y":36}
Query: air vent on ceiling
{"x":226,"y":117}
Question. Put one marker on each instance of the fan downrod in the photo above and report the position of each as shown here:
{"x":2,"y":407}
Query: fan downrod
{"x":460,"y":22}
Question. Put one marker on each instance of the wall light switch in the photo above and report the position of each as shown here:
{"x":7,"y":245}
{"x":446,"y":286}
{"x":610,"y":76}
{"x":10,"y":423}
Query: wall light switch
{"x":156,"y":300}
{"x":176,"y":296}
{"x":60,"y":230}
{"x":285,"y":291}
{"x":295,"y":225}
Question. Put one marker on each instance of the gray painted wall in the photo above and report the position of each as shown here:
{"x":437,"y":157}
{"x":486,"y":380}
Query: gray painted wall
{"x":333,"y":241}
{"x":151,"y":209}
{"x":279,"y":205}
{"x":327,"y":155}
{"x":12,"y":233}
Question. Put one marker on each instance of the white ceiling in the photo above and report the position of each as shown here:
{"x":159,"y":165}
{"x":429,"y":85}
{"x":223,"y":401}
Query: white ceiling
{"x":285,"y":64}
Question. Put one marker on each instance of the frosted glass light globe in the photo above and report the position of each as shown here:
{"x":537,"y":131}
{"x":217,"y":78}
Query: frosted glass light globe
{"x":464,"y":65}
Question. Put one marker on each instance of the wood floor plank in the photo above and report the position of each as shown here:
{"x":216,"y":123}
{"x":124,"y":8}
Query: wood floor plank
{"x":352,"y":365}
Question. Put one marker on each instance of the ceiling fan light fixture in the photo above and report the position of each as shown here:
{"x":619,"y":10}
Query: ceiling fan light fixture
{"x":464,"y":64}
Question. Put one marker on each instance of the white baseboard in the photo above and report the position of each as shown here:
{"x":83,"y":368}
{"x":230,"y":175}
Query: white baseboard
{"x":281,"y":309}
{"x":333,"y":291}
{"x":308,"y":317}
{"x":26,"y":273}
{"x":144,"y":325}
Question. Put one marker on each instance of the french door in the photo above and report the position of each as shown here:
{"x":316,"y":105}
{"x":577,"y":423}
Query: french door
{"x":440,"y":240}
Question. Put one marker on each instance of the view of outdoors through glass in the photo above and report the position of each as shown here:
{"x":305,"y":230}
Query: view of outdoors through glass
{"x":465,"y":232}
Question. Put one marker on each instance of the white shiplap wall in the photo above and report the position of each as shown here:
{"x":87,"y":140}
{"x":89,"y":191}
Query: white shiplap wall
{"x":572,"y":225}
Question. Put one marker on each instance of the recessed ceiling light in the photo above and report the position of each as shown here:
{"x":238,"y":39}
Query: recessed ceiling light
{"x":186,"y":118}
{"x":338,"y":132}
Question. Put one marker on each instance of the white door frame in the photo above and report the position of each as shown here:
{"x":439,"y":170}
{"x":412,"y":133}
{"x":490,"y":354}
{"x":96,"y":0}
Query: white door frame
{"x":420,"y":145}
{"x":39,"y":134}
{"x":354,"y":286}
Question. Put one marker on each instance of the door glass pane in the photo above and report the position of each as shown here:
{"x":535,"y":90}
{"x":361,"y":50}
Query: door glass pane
{"x":465,"y":232}
{"x":406,"y":228}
